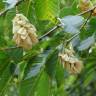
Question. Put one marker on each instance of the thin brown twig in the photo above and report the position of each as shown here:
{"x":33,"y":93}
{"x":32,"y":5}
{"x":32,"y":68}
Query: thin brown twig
{"x":47,"y":33}
{"x":15,"y":47}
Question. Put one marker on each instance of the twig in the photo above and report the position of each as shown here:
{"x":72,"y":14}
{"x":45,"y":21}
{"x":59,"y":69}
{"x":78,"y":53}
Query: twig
{"x":15,"y":47}
{"x":80,"y":28}
{"x":50,"y":31}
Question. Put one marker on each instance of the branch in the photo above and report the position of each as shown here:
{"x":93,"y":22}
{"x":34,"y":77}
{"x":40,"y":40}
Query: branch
{"x":50,"y":31}
{"x":15,"y":47}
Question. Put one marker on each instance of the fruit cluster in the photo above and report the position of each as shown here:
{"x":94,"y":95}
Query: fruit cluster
{"x":70,"y":62}
{"x":24,"y":32}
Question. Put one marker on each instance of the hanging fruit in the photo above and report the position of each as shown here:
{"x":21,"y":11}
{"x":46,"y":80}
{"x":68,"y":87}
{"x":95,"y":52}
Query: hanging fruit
{"x":85,"y":5}
{"x":70,"y":62}
{"x":24,"y":32}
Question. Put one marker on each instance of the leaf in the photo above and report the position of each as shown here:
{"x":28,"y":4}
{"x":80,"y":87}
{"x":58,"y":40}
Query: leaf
{"x":21,"y":69}
{"x":72,"y":9}
{"x":89,"y":78}
{"x":59,"y":74}
{"x":27,"y":87}
{"x":15,"y":54}
{"x":35,"y":64}
{"x":72,"y":23}
{"x":5,"y":76}
{"x":33,"y":71}
{"x":85,"y":44}
{"x":4,"y":59}
{"x":31,"y":84}
{"x":3,"y":55}
{"x":51,"y":63}
{"x":47,"y":9}
{"x":89,"y":29}
{"x":43,"y":87}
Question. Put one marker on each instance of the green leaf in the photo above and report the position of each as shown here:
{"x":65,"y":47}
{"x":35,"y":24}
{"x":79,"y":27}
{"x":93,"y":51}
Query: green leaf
{"x":43,"y":87}
{"x":51,"y":63}
{"x":47,"y":9}
{"x":15,"y":54}
{"x":3,"y":55}
{"x":59,"y":74}
{"x":27,"y":87}
{"x":69,"y":9}
{"x":5,"y":77}
{"x":34,"y":71}
{"x":89,"y":29}
{"x":27,"y":84}
{"x":35,"y":65}
{"x":89,"y":78}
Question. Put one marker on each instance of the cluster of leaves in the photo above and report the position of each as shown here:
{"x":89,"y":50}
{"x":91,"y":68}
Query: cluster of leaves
{"x":37,"y":72}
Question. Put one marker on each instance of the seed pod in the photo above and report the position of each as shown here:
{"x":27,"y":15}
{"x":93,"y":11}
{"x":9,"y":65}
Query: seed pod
{"x":24,"y":32}
{"x":85,"y":5}
{"x":70,"y":62}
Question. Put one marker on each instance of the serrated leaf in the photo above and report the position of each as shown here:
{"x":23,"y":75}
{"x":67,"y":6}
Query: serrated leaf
{"x":89,"y":78}
{"x":51,"y":63}
{"x":43,"y":86}
{"x":85,"y":44}
{"x":72,"y":23}
{"x":72,"y":9}
{"x":37,"y":64}
{"x":15,"y":54}
{"x":4,"y":78}
{"x":3,"y":55}
{"x":59,"y":74}
{"x":47,"y":9}
{"x":31,"y":84}
{"x":33,"y":71}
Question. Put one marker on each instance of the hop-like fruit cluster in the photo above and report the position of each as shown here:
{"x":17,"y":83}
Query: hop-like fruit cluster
{"x":71,"y":62}
{"x":24,"y":32}
{"x":85,"y":5}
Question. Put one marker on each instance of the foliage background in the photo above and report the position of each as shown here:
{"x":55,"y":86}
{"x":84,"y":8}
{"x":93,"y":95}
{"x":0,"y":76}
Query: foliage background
{"x":37,"y":72}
